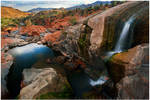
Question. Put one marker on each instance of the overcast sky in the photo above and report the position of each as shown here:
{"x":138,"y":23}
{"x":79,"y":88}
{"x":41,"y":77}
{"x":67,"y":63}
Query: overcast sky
{"x":25,"y":5}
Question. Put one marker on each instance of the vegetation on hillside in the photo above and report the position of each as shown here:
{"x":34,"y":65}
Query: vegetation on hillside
{"x":50,"y":17}
{"x":9,"y":12}
{"x":8,"y":22}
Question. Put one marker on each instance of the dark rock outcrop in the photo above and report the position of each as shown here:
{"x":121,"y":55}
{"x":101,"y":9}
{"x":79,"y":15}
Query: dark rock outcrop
{"x":7,"y":61}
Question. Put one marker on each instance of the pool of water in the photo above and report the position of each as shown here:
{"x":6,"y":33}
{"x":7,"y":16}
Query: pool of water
{"x":30,"y":55}
{"x":25,"y":57}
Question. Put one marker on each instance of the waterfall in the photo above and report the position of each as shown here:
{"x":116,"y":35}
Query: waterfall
{"x":122,"y":39}
{"x":100,"y":81}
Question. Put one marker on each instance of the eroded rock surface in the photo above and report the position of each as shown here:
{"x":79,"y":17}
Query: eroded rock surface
{"x":129,"y":70}
{"x":135,"y":86}
{"x":42,"y":81}
{"x":98,"y":34}
{"x":126,"y":63}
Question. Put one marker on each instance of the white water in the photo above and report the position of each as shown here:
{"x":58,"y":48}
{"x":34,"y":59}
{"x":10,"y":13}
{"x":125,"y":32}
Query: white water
{"x":100,"y":81}
{"x":124,"y":34}
{"x":122,"y":39}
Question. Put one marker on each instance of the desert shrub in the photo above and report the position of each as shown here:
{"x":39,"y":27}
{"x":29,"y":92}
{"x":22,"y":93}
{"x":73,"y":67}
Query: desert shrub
{"x":73,"y":21}
{"x":5,"y":22}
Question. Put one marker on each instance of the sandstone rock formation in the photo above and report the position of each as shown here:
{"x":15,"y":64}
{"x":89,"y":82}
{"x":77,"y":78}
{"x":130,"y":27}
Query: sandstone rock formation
{"x":98,"y":34}
{"x":81,"y":46}
{"x":135,"y":86}
{"x":42,"y":81}
{"x":106,"y":26}
{"x":129,"y":71}
{"x":126,"y":63}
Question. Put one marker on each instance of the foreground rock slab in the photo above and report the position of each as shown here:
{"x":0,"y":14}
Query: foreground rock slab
{"x":41,"y":81}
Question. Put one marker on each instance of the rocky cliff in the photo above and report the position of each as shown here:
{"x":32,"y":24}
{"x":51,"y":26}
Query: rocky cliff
{"x":88,"y":41}
{"x":99,"y":33}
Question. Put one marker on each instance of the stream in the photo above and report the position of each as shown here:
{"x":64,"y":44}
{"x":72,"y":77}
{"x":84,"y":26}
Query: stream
{"x":28,"y":55}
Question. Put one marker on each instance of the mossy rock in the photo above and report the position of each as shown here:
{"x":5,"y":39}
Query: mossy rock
{"x":84,"y":42}
{"x":65,"y":94}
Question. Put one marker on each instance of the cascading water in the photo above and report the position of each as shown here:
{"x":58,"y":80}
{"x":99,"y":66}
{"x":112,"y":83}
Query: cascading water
{"x":120,"y":43}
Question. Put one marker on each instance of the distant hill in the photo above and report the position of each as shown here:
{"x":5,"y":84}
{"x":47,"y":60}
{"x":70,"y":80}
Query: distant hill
{"x":9,"y":12}
{"x":36,"y":10}
{"x":88,"y":5}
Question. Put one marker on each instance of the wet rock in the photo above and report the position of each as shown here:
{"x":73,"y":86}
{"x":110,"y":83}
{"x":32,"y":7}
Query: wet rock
{"x":42,"y":81}
{"x":126,"y":63}
{"x":7,"y":61}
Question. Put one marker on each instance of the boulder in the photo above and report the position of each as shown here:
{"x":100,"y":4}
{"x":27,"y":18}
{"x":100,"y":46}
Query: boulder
{"x":41,"y":81}
{"x":126,"y":63}
{"x":135,"y":86}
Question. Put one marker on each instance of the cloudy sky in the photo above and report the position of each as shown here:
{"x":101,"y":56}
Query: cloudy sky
{"x":25,"y":5}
